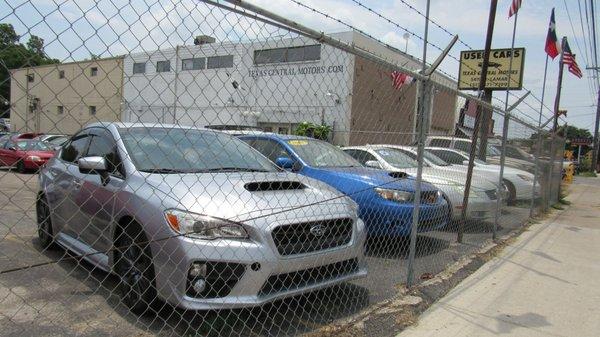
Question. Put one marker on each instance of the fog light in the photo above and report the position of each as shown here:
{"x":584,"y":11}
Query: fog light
{"x":199,"y":286}
{"x":197,"y":270}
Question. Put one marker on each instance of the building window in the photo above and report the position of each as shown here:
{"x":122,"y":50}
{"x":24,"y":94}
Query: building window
{"x":193,"y":64}
{"x":60,"y":110}
{"x":30,"y":78}
{"x":61,"y":74}
{"x":139,"y":68}
{"x":93,"y":71}
{"x":288,"y":54}
{"x":225,"y":61}
{"x":92,"y":109}
{"x":163,"y":66}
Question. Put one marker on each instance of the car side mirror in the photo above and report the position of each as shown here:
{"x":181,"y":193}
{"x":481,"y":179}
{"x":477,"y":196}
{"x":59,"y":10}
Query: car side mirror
{"x":12,"y":148}
{"x":373,"y":164}
{"x":94,"y":165}
{"x":285,"y":163}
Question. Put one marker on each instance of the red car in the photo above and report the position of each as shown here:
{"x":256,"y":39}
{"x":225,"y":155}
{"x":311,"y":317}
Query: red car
{"x":25,"y":154}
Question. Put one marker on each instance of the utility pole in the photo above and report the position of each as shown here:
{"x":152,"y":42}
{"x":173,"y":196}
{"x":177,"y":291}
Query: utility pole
{"x":595,"y":143}
{"x":480,"y":112}
{"x":559,"y":86}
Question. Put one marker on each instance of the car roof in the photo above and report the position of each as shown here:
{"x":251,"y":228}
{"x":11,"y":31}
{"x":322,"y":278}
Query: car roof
{"x":277,"y":135}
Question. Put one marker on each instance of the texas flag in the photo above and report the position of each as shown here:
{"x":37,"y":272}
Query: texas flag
{"x":552,"y":44}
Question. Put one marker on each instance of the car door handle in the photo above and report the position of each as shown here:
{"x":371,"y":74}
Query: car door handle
{"x":77,"y":183}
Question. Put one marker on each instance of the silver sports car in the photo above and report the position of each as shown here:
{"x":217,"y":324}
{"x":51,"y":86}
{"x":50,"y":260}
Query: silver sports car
{"x":195,"y":217}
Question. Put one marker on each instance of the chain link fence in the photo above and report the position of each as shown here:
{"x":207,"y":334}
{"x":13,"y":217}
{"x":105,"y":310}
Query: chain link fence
{"x":198,"y":168}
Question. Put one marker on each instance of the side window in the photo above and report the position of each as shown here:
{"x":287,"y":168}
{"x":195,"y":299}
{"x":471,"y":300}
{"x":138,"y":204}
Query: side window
{"x":75,"y":148}
{"x":102,"y":144}
{"x":270,"y":149}
{"x":437,"y":142}
{"x":462,"y":145}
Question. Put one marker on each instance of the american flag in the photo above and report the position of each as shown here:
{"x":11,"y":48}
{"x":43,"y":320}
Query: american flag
{"x":514,"y":7}
{"x":569,"y":59}
{"x":399,"y":79}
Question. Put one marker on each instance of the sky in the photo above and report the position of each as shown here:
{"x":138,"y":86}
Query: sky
{"x":75,"y":29}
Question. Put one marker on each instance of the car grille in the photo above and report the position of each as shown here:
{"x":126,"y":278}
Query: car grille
{"x":429,"y":197}
{"x":492,"y":194}
{"x":304,"y":278}
{"x":312,"y":236}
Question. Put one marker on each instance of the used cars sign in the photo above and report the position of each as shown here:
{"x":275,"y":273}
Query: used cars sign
{"x":471,"y":61}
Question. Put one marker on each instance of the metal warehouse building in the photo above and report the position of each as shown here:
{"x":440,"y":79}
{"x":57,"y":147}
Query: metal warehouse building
{"x":277,"y":84}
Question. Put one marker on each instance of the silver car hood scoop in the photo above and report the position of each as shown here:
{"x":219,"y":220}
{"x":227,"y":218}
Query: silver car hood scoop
{"x":274,"y":186}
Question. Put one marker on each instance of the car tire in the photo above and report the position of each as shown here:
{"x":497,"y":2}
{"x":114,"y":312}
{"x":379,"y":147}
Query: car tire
{"x":512,"y":193}
{"x":44,"y":223}
{"x":133,"y":265}
{"x":21,"y":167}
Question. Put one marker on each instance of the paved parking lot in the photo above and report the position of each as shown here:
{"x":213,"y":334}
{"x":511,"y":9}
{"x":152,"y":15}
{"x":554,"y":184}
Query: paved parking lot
{"x":72,"y":298}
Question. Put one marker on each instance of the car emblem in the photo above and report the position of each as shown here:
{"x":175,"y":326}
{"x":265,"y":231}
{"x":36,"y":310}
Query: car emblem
{"x":318,"y":230}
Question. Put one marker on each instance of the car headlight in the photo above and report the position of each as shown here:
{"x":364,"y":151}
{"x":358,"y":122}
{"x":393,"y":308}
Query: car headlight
{"x":525,"y":177}
{"x":34,"y":158}
{"x":394,"y":195}
{"x":203,"y":226}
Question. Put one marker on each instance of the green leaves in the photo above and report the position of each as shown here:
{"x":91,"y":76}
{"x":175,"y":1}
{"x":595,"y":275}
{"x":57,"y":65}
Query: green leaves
{"x":309,"y":129}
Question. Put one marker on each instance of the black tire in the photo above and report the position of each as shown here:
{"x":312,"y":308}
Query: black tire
{"x":133,"y":265}
{"x":44,"y":223}
{"x":21,"y":167}
{"x":512,"y":193}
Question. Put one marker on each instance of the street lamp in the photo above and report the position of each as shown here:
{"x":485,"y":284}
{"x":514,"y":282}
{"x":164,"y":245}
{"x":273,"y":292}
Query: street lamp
{"x":406,"y":36}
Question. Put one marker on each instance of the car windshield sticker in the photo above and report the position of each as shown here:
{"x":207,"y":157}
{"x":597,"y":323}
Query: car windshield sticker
{"x":298,"y":142}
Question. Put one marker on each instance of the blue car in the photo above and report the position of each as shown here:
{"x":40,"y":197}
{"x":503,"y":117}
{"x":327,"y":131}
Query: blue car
{"x":385,"y":199}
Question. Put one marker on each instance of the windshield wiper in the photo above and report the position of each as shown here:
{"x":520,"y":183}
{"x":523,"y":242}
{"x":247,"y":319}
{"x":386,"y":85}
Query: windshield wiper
{"x":164,"y":171}
{"x":233,"y":169}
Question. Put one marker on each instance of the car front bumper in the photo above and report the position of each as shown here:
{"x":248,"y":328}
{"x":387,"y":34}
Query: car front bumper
{"x":266,"y":276}
{"x":388,"y":218}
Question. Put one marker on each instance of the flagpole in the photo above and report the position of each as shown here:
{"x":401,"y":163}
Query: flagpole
{"x":504,"y":130}
{"x":539,"y":140}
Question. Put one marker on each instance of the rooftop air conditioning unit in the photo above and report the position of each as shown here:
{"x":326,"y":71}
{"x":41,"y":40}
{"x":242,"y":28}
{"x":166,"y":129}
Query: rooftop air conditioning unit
{"x":203,"y":39}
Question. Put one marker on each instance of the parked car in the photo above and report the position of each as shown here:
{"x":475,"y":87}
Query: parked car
{"x":196,"y":217}
{"x":53,"y":140}
{"x":519,"y":183}
{"x":385,"y":199}
{"x":24,"y":154}
{"x":492,"y":153}
{"x":483,"y":196}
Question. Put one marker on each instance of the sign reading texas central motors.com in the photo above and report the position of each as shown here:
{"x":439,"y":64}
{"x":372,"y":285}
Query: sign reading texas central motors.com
{"x":471,"y":61}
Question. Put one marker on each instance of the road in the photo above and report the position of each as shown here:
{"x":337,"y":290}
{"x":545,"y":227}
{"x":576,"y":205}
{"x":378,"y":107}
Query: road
{"x":67,"y":297}
{"x":544,"y":284}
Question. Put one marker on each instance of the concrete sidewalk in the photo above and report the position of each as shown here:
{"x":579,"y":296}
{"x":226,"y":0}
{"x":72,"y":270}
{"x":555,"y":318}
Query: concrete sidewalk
{"x":547,"y":283}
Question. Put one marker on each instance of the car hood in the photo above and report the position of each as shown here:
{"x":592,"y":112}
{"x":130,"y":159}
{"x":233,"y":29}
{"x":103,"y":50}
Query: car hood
{"x":443,"y":176}
{"x":41,"y":154}
{"x":342,"y":177}
{"x":228,"y":195}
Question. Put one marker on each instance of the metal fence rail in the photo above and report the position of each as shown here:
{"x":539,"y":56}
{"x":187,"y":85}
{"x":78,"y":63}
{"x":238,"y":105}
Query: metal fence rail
{"x":213,"y":168}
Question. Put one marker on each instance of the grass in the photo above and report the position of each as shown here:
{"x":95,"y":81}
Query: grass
{"x":558,"y":206}
{"x":588,"y":174}
{"x":564,"y":202}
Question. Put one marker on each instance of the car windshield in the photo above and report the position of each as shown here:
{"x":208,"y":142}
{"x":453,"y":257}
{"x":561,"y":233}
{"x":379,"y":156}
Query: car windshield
{"x":177,"y":150}
{"x":318,"y":153}
{"x":492,"y":151}
{"x":397,"y":158}
{"x":32,"y":146}
{"x":435,"y":160}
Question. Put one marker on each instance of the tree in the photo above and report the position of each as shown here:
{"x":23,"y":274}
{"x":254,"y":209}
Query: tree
{"x":313,"y":130}
{"x":8,"y":36}
{"x":15,"y":55}
{"x":36,"y":45}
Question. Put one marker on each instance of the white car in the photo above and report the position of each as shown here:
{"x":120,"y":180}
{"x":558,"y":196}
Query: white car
{"x":519,"y":183}
{"x":483,"y":196}
{"x":492,"y":152}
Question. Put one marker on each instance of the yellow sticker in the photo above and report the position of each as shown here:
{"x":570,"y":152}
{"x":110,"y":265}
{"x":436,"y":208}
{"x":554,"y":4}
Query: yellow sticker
{"x":298,"y":142}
